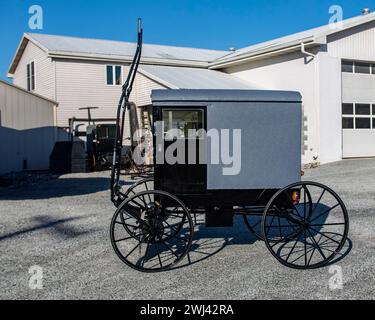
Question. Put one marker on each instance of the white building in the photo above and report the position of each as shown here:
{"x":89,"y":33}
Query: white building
{"x":332,"y":66}
{"x":27,"y":129}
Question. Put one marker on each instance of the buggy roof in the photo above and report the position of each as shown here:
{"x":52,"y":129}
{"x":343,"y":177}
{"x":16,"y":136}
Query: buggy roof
{"x":225,"y":96}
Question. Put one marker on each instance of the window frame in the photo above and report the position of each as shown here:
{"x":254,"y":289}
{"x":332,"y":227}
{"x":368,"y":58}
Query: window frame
{"x":31,"y":76}
{"x":199,"y":110}
{"x":356,"y":116}
{"x":353,"y":66}
{"x":114,"y":78}
{"x":359,"y":63}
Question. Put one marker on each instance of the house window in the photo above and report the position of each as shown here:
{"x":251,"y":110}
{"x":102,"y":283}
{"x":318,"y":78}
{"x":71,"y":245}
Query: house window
{"x":347,"y":109}
{"x":347,"y":66}
{"x":363,"y":123}
{"x":357,"y":67}
{"x":114,"y":75}
{"x":31,"y":76}
{"x":362,"y":109}
{"x":348,"y":123}
{"x":358,"y":116}
{"x":362,"y":67}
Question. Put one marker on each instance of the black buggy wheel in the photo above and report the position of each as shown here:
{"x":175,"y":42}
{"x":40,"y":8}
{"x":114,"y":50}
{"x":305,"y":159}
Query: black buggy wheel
{"x":142,"y":185}
{"x":152,"y":231}
{"x":305,"y":226}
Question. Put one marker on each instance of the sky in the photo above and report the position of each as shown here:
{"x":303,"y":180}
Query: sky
{"x":211,"y":24}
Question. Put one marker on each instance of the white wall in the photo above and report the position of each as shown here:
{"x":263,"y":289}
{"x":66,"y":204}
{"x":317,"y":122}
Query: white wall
{"x":292,"y":72}
{"x":83,"y":83}
{"x":356,"y":44}
{"x":44,"y":71}
{"x":329,"y":106}
{"x":27,"y":130}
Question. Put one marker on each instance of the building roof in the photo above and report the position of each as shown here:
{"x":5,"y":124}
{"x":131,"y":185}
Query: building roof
{"x":193,"y":78}
{"x":28,"y":92}
{"x":62,"y":46}
{"x":310,"y":37}
{"x":117,"y":51}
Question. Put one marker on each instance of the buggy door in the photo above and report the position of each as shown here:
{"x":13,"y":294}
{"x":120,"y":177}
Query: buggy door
{"x":182,"y":127}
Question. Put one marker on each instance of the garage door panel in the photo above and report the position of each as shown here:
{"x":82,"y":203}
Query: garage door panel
{"x":359,"y":143}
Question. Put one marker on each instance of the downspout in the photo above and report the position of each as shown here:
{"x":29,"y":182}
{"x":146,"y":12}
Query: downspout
{"x":303,"y":50}
{"x":315,"y":99}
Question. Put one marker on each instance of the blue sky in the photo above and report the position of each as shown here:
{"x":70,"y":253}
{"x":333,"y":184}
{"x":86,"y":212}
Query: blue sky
{"x":213,"y":24}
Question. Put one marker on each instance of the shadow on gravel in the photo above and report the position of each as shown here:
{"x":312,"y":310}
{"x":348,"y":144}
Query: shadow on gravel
{"x":64,"y":187}
{"x":59,"y":227}
{"x":209,"y":242}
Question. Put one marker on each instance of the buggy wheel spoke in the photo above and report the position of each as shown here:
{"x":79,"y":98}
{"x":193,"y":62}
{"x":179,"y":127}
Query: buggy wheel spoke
{"x":301,"y":256}
{"x":169,"y":248}
{"x":268,"y":230}
{"x":158,"y":252}
{"x":287,"y":249}
{"x":127,"y":238}
{"x":146,"y":253}
{"x":135,"y":248}
{"x":327,"y":224}
{"x":322,"y":234}
{"x":317,"y":245}
{"x":159,"y":233}
{"x":325,"y":212}
{"x":317,"y":204}
{"x":291,"y":251}
{"x":286,"y":237}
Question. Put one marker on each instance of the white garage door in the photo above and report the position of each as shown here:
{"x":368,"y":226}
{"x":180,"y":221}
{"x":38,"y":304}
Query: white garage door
{"x":358,"y":130}
{"x":358,"y":109}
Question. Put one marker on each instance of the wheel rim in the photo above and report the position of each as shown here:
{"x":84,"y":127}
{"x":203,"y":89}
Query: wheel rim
{"x":309,"y":234}
{"x":140,"y":186}
{"x":152,"y":231}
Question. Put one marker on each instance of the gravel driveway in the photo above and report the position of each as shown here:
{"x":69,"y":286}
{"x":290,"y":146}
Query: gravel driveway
{"x":62,"y":227}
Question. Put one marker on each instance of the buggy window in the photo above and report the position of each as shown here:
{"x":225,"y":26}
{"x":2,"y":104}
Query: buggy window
{"x":182,"y":124}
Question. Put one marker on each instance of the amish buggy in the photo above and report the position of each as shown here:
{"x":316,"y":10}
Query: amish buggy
{"x":304,"y":225}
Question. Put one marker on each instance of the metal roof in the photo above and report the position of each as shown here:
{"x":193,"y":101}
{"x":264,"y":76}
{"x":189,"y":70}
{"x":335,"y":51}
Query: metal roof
{"x":193,"y":78}
{"x":62,"y":46}
{"x":315,"y":35}
{"x":126,"y":49}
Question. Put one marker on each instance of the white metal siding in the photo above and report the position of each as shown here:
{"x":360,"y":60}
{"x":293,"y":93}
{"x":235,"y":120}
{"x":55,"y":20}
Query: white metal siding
{"x":44,"y":71}
{"x":83,"y":84}
{"x":27,"y":130}
{"x":288,"y":72}
{"x":356,"y":43}
{"x":359,"y":88}
{"x":143,"y":89}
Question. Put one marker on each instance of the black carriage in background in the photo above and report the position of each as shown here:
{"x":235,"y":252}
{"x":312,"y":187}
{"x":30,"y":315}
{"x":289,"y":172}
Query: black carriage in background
{"x":223,"y":153}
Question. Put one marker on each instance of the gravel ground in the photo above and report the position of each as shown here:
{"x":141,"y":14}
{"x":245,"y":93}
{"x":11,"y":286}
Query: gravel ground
{"x":62,"y":226}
